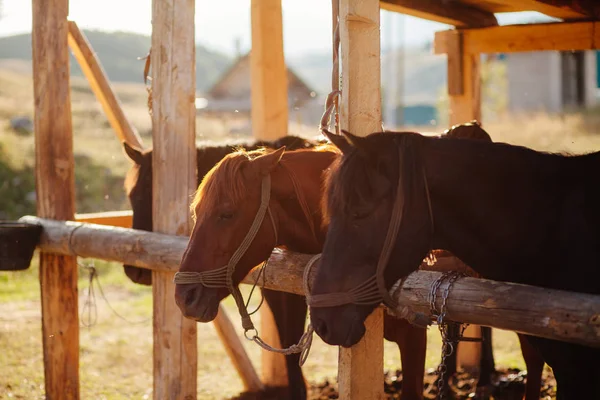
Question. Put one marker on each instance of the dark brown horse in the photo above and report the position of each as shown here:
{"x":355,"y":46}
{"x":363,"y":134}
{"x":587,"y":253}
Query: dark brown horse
{"x":226,"y":204}
{"x":510,"y":213}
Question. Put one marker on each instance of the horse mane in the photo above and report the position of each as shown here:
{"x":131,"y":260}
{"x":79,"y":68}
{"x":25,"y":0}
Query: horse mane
{"x":348,"y":179}
{"x":222,"y":181}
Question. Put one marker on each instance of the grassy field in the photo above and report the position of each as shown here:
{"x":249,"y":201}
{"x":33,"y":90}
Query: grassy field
{"x":116,"y":349}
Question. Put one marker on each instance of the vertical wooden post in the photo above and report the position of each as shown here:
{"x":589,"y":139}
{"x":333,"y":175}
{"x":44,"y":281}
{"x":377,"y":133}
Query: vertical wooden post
{"x":174,"y":180}
{"x":55,"y":188}
{"x":269,"y":122}
{"x":464,"y":90}
{"x":360,"y":368}
{"x":268,"y":70}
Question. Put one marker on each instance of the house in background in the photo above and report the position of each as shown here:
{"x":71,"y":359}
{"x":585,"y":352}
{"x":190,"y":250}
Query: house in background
{"x":552,"y":81}
{"x":229,"y":99}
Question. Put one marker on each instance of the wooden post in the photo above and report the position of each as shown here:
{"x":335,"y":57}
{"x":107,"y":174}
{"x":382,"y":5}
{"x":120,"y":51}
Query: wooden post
{"x":269,"y":122}
{"x":55,"y":188}
{"x":360,"y":368}
{"x":174,"y":181}
{"x":464,"y":91}
{"x":269,"y":73}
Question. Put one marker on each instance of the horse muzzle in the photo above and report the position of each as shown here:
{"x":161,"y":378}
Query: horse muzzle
{"x":197,"y":302}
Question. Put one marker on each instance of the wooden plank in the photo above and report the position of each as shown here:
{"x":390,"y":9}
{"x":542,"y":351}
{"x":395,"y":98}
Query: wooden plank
{"x":550,"y":8}
{"x":269,"y":114}
{"x":124,"y":219}
{"x":455,"y":65}
{"x":269,"y":84}
{"x":456,"y":14}
{"x":465,"y":105}
{"x":93,"y":71}
{"x":55,"y":169}
{"x":550,"y":313}
{"x":360,"y":367}
{"x":173,"y":181}
{"x":560,"y":36}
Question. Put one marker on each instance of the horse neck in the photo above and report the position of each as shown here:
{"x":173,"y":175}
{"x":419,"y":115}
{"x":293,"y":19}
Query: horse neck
{"x":300,"y":221}
{"x":484,"y":206}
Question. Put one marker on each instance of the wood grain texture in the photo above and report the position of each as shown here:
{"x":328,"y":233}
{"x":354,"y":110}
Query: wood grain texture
{"x":527,"y":309}
{"x":361,"y":81}
{"x":557,"y":36}
{"x":269,"y":83}
{"x":174,"y":181}
{"x":456,"y":14}
{"x":100,"y":85}
{"x":55,"y":193}
{"x":360,"y":368}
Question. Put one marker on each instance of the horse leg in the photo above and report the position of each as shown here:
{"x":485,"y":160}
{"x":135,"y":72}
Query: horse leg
{"x":412,"y":342}
{"x":486,"y":364}
{"x":575,"y":367}
{"x":535,"y":365}
{"x":289,"y":311}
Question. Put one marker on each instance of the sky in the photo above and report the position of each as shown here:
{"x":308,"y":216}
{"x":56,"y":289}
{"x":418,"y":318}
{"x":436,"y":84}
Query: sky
{"x":307,"y":23}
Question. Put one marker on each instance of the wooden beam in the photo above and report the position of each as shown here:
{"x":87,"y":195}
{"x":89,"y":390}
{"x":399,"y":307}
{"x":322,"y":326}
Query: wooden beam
{"x":555,"y":314}
{"x":269,"y":113}
{"x":123,"y":219}
{"x":560,"y":36}
{"x":55,"y":192}
{"x":360,"y":368}
{"x":173,"y":181}
{"x":554,"y":8}
{"x":93,"y":71}
{"x":464,"y":89}
{"x":269,"y":83}
{"x":456,"y":14}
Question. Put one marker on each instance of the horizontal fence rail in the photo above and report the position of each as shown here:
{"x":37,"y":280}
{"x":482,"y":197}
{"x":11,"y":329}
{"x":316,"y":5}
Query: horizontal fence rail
{"x":554,"y":314}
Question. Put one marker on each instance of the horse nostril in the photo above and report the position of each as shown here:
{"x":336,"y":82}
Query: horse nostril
{"x":320,"y":327}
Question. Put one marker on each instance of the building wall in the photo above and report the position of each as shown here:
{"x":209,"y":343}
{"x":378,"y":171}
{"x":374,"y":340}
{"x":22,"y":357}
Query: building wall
{"x":533,"y":81}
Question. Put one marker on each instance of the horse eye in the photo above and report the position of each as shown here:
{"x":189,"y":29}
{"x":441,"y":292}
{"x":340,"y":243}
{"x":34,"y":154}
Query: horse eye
{"x":360,"y":214}
{"x":225,"y":216}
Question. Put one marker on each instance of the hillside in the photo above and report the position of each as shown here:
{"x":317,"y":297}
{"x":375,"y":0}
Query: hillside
{"x":118,"y":52}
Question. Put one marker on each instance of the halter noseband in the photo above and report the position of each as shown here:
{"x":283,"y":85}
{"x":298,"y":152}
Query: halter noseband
{"x":223,"y":277}
{"x":372,"y":290}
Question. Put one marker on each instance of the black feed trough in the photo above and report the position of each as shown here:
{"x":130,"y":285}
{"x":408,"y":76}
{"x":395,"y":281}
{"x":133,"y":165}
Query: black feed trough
{"x":18,"y":241}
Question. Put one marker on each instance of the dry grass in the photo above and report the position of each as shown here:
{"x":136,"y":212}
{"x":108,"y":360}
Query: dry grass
{"x":116,"y":355}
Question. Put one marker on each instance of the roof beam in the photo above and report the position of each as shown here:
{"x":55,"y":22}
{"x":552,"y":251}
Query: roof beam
{"x":435,"y":10}
{"x":558,"y":36}
{"x":562,"y":9}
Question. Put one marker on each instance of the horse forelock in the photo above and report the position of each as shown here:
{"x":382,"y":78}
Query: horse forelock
{"x":223,"y":182}
{"x":347,"y":181}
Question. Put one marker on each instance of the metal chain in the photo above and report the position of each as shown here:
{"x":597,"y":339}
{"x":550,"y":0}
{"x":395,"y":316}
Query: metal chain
{"x":448,"y":343}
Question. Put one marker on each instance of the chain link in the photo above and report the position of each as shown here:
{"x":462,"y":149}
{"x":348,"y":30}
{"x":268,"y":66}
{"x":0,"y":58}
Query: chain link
{"x":449,"y":340}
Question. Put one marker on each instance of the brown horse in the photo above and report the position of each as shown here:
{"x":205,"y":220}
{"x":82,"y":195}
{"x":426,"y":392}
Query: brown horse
{"x":226,"y":203}
{"x":510,"y":213}
{"x":138,"y":182}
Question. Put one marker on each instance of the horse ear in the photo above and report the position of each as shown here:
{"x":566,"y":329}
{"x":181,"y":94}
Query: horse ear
{"x":339,"y":141}
{"x":361,"y":143}
{"x":266,"y":163}
{"x":134,"y":154}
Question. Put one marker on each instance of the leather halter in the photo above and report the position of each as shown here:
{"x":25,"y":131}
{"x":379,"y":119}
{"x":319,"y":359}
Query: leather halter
{"x":223,"y":277}
{"x":373,"y":290}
